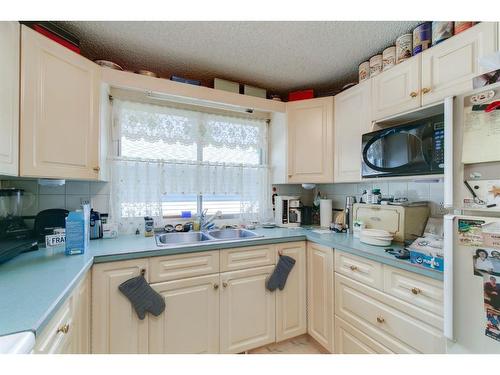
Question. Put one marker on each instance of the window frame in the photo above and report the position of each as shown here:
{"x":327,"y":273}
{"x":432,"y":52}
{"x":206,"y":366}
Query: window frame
{"x":263,"y":156}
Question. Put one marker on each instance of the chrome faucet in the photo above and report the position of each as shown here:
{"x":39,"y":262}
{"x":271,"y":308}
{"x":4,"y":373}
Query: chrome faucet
{"x":204,"y":222}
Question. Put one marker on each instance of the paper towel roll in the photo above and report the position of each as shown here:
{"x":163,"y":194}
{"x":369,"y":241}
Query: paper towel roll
{"x":325,"y":212}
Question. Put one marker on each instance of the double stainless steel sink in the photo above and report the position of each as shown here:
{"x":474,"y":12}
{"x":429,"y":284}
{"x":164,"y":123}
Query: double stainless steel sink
{"x":216,"y":235}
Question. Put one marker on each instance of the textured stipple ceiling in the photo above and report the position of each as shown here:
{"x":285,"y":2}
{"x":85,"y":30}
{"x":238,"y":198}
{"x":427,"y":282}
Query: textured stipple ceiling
{"x":278,"y":56}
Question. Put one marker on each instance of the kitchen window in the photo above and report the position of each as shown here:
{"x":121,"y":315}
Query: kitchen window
{"x":169,"y":160}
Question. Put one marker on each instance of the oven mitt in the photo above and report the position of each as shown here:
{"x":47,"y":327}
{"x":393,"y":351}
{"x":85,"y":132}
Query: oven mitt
{"x":142,"y":297}
{"x":280,"y":273}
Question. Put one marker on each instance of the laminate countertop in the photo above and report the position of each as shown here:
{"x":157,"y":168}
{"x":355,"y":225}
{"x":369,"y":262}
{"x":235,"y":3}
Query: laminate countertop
{"x":33,"y":285}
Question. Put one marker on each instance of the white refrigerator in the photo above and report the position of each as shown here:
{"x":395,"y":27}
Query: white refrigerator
{"x":472,"y":227}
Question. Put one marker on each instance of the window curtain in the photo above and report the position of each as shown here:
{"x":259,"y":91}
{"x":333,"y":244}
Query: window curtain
{"x":139,"y":184}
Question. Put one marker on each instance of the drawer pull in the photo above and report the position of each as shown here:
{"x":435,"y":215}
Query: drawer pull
{"x":413,"y":94}
{"x":380,"y":319}
{"x":416,"y":291}
{"x":353,"y":268}
{"x":216,"y":286}
{"x":96,"y":169}
{"x":63,"y":329}
{"x":426,"y":90}
{"x":224,"y":285}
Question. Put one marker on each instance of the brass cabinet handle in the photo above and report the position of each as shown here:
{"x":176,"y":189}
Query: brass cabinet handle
{"x":224,"y":285}
{"x":63,"y":329}
{"x":413,"y":94}
{"x":426,"y":90}
{"x":380,"y":319}
{"x":96,"y":169}
{"x":353,"y":268}
{"x":216,"y":286}
{"x":416,"y":291}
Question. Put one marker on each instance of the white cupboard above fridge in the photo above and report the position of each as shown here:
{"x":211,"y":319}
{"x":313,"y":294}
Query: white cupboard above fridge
{"x":448,"y":68}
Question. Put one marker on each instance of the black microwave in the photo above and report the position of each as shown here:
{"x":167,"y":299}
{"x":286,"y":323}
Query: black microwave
{"x":415,"y":148}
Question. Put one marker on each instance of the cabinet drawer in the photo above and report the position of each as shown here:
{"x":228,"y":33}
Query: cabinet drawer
{"x":395,"y":324}
{"x":363,"y":270}
{"x":181,"y":266}
{"x":247,"y":257}
{"x":349,"y":340}
{"x":419,"y":290}
{"x":56,"y":337}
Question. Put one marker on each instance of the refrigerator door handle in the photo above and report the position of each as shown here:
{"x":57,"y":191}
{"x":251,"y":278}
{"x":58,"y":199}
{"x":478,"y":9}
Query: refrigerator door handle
{"x":449,"y":234}
{"x":448,"y":152}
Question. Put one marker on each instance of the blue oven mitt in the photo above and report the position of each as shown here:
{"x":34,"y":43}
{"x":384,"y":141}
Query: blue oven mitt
{"x":280,"y":274}
{"x":142,"y":297}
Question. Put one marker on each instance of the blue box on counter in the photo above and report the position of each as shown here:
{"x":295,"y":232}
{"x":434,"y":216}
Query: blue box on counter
{"x":77,"y":231}
{"x":427,"y":260}
{"x":185,"y":80}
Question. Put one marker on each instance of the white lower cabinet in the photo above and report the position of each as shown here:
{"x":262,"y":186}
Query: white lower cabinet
{"x":291,"y":302}
{"x":190,"y":324}
{"x":395,"y":324}
{"x":116,"y":327}
{"x":82,"y":303}
{"x":320,"y":294}
{"x":68,"y":332}
{"x":247,"y":310}
{"x":350,"y":340}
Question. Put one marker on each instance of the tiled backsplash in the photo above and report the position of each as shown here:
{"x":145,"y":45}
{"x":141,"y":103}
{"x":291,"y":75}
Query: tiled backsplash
{"x":68,"y":196}
{"x":414,"y":191}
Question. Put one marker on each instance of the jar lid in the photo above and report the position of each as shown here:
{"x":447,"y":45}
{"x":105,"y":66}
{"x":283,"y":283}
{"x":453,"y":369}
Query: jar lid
{"x":8,"y":192}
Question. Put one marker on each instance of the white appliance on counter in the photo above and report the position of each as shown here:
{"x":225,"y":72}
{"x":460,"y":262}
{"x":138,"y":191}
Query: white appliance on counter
{"x":472,"y":228}
{"x":287,"y":211}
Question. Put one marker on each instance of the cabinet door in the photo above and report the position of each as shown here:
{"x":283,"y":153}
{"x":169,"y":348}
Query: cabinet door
{"x":291,"y":302}
{"x":59,"y":110}
{"x":59,"y":334}
{"x":448,"y":68}
{"x":351,"y":120}
{"x":349,"y":340}
{"x":247,"y":310}
{"x":396,"y":90}
{"x":310,"y":140}
{"x":81,"y":321}
{"x":116,"y":327}
{"x":320,"y":294}
{"x":190,"y":324}
{"x":9,"y":98}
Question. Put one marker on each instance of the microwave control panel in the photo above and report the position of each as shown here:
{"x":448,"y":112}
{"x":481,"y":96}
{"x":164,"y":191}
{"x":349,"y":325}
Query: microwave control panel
{"x":439,"y":144}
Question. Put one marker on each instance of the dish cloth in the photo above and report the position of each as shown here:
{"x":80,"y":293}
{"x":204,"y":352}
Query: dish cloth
{"x":280,"y":273}
{"x":142,"y":297}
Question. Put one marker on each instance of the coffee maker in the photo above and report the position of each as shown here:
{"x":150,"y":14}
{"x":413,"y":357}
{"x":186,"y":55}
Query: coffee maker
{"x":15,"y":236}
{"x":287,"y":211}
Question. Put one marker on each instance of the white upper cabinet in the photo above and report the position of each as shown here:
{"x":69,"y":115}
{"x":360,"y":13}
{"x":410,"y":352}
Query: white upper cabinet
{"x":396,"y":90}
{"x":310,"y":140}
{"x":352,"y":119}
{"x":60,"y":94}
{"x":448,"y":68}
{"x":9,"y":98}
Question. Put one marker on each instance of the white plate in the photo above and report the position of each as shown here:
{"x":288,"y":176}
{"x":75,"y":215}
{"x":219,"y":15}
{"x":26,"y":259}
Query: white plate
{"x":375,"y":241}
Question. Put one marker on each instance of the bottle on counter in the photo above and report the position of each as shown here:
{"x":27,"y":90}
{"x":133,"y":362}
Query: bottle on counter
{"x":376,"y":196}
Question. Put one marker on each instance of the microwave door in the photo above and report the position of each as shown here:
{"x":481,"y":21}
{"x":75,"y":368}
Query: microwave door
{"x":394,"y":152}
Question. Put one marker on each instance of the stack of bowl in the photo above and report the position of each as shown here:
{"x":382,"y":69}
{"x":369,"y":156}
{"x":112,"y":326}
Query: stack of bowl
{"x":377,"y":237}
